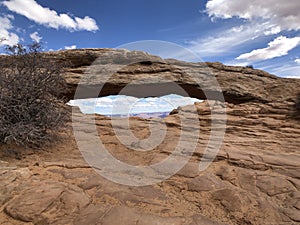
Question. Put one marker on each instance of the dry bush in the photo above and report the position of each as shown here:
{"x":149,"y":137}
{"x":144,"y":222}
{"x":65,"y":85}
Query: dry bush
{"x":32,"y":111}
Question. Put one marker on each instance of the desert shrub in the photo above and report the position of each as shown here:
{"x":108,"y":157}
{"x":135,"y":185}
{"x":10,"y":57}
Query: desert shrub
{"x":32,"y":111}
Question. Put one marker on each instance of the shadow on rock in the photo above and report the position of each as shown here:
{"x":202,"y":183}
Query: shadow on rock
{"x":297,"y":107}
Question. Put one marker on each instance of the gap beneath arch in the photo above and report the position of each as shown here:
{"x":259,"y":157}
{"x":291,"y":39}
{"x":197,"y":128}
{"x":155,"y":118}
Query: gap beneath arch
{"x":127,"y":106}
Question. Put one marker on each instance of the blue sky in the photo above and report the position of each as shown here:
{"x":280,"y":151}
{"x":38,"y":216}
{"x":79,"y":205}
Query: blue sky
{"x":122,"y":104}
{"x":265,"y":34}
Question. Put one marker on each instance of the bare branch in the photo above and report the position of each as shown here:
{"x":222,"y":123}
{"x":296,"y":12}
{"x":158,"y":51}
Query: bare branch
{"x":32,"y":111}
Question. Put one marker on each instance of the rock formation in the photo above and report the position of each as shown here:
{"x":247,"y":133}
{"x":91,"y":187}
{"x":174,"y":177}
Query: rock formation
{"x":254,"y":179}
{"x":239,"y":84}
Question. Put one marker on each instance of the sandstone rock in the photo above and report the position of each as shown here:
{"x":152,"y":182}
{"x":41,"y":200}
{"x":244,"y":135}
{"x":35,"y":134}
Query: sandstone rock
{"x":205,"y":182}
{"x":93,"y":214}
{"x":127,"y":216}
{"x":201,"y":220}
{"x":230,"y":199}
{"x":274,"y":185}
{"x":239,"y":84}
{"x":254,"y":178}
{"x":44,"y":199}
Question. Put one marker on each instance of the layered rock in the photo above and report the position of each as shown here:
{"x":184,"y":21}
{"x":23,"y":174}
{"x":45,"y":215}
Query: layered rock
{"x":254,"y":178}
{"x":151,"y":76}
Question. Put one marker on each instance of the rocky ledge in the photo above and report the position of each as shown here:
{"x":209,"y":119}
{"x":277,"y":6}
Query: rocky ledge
{"x":254,"y":178}
{"x":146,"y":73}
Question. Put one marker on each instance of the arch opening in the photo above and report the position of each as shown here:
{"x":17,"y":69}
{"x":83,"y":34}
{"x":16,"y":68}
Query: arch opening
{"x":124,"y":106}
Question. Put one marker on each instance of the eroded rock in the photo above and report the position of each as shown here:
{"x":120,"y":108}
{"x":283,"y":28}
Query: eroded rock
{"x":41,"y":200}
{"x":254,"y":178}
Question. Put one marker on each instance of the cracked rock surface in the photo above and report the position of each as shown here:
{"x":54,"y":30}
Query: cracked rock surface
{"x":254,"y":179}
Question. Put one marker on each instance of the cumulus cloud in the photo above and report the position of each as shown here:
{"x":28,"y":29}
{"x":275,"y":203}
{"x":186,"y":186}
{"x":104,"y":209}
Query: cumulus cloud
{"x":276,"y":48}
{"x":36,"y":37}
{"x":297,"y":61}
{"x":50,"y":18}
{"x":283,"y":15}
{"x":6,"y":36}
{"x":260,"y":18}
{"x":70,"y":47}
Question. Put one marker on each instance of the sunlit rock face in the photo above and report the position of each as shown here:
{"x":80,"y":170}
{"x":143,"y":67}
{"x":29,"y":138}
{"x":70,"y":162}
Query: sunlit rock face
{"x":239,"y":84}
{"x":254,"y":178}
{"x":255,"y":173}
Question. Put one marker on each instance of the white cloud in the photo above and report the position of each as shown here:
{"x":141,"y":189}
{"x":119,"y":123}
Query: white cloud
{"x":286,"y":70}
{"x":104,"y":100}
{"x":293,"y":76}
{"x":260,"y":18}
{"x":36,"y":37}
{"x":273,"y":30}
{"x":280,"y":67}
{"x":297,"y":61}
{"x":283,"y":15}
{"x":236,"y":63}
{"x":124,"y":104}
{"x":165,"y":50}
{"x":226,"y":40}
{"x":7,"y":37}
{"x":70,"y":47}
{"x":50,"y":18}
{"x":87,"y":23}
{"x":276,"y":48}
